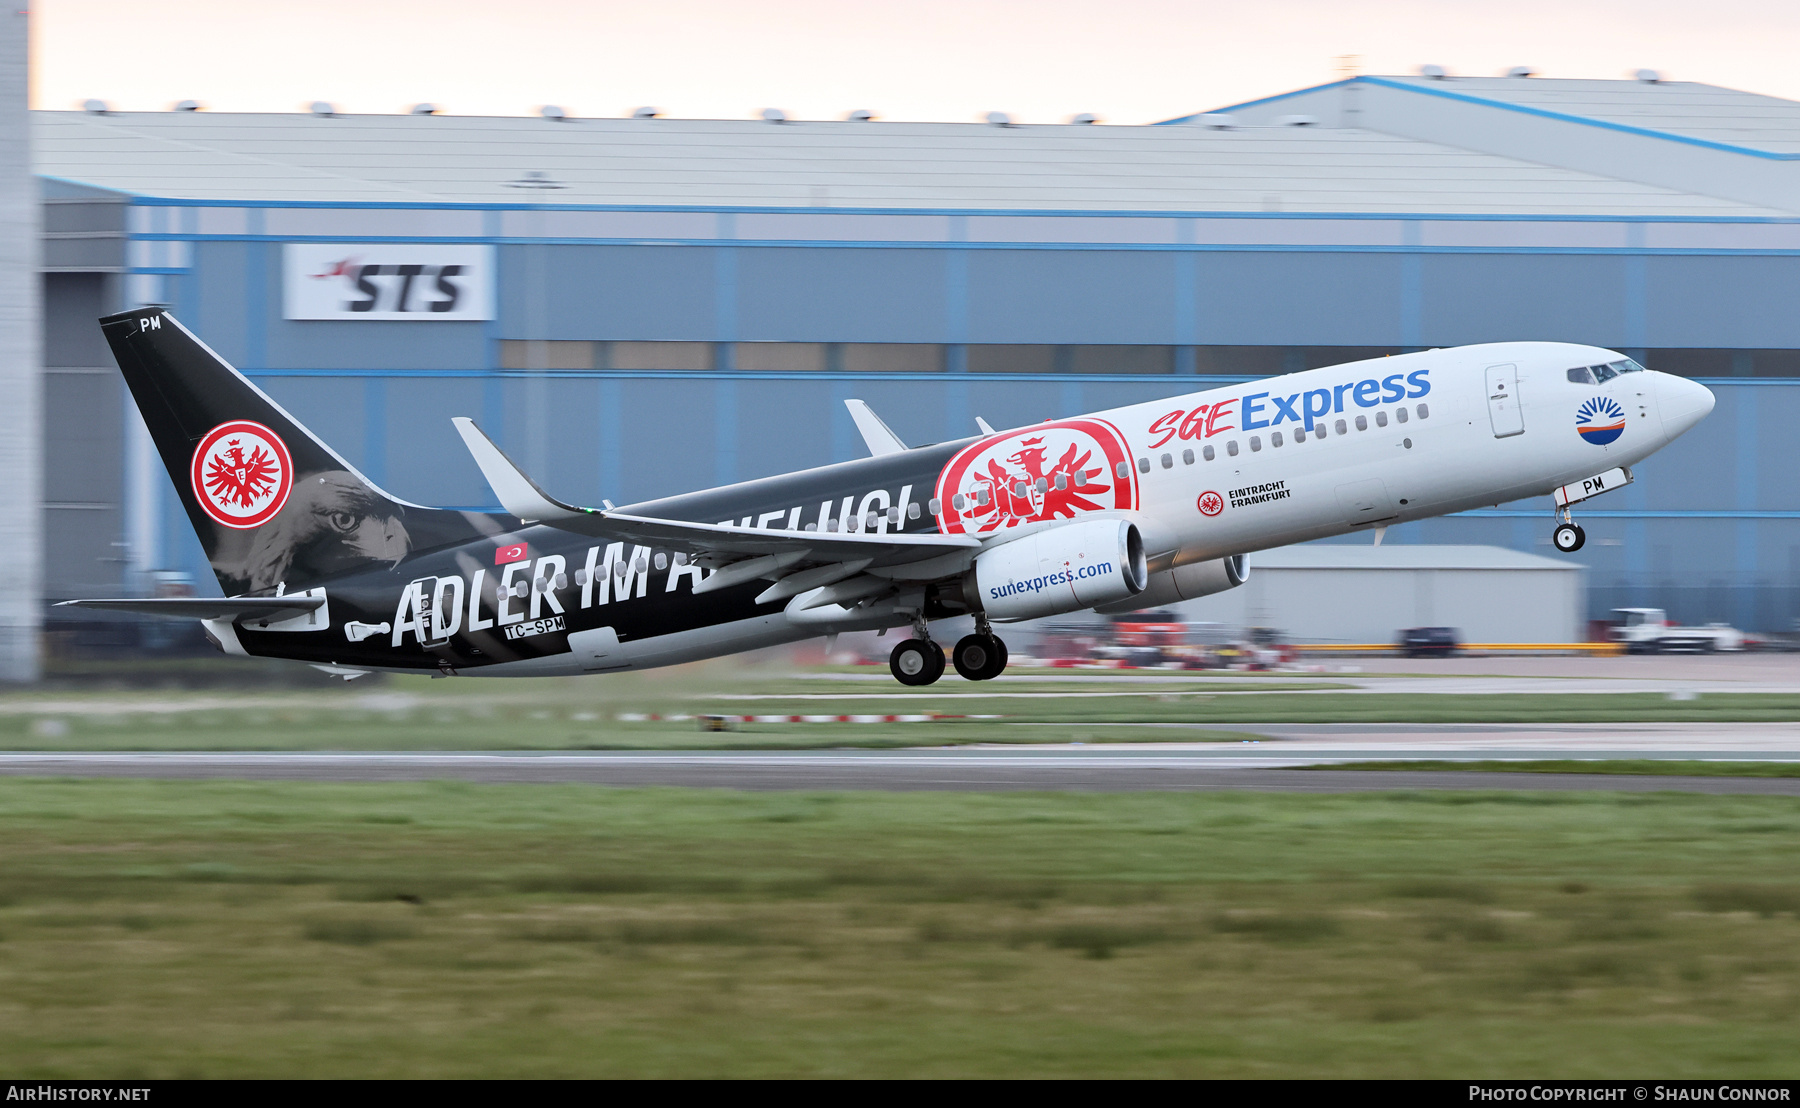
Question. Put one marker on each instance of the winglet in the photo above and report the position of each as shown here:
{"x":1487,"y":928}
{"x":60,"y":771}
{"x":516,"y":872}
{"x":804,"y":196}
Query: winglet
{"x":983,"y":424}
{"x":518,"y":493}
{"x":881,"y":440}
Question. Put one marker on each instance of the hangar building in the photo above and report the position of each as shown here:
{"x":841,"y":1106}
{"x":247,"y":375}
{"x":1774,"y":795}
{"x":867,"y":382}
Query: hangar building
{"x":1346,"y":593}
{"x":638,"y":306}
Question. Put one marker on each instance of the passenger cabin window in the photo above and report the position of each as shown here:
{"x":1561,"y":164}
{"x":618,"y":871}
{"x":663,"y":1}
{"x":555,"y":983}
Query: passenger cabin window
{"x":1231,"y":448}
{"x":1187,"y":457}
{"x":1381,"y":419}
{"x":1275,"y":438}
{"x":1581,"y":375}
{"x":1123,"y":470}
{"x":1424,"y":411}
{"x":1255,"y":443}
{"x":1319,"y":431}
{"x":1143,"y":465}
{"x":1400,"y":414}
{"x":1168,"y":461}
{"x":1299,"y":434}
{"x":1207,"y":452}
{"x":1362,"y":423}
{"x":1341,"y":429}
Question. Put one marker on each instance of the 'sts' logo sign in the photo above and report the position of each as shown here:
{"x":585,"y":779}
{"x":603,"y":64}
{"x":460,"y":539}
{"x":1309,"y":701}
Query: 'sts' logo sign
{"x":409,"y":288}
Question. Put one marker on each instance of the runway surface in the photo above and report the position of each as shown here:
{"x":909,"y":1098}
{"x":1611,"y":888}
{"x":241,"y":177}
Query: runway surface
{"x":965,"y":769}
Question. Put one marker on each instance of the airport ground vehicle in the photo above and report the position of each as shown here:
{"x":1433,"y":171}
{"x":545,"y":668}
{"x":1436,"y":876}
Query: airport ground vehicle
{"x":1648,"y":631}
{"x":1429,"y":642}
{"x":1115,"y":511}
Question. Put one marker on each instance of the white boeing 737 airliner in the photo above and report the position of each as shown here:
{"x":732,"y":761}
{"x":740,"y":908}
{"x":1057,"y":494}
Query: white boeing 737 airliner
{"x":1116,"y":510}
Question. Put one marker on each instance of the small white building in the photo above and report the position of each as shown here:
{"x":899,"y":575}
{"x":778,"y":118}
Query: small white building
{"x":1340,"y":593}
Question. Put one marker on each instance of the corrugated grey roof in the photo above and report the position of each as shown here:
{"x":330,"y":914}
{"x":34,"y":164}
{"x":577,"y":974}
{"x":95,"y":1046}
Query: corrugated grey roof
{"x":1676,"y":107}
{"x":1321,"y":555}
{"x":257,"y":157}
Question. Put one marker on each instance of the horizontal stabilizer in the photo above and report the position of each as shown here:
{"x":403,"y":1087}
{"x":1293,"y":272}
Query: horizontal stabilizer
{"x":518,"y":493}
{"x":197,"y":607}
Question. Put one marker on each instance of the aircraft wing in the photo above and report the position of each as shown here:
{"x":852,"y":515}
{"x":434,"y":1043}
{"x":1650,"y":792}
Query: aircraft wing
{"x":196,"y":607}
{"x":521,"y":496}
{"x":796,"y":561}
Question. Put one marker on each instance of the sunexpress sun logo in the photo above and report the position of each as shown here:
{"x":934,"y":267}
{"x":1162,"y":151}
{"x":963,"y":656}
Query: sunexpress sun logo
{"x":1600,"y":420}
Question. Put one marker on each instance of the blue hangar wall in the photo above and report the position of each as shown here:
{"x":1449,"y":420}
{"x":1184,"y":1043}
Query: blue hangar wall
{"x":639,"y":352}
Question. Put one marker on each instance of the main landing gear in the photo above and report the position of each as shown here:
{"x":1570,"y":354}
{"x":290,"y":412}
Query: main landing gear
{"x":1568,"y":536}
{"x":917,"y":662}
{"x":979,"y":657}
{"x":920,"y":661}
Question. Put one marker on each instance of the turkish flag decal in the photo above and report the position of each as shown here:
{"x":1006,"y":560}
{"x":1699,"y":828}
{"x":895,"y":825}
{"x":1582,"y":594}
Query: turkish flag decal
{"x":517,"y":552}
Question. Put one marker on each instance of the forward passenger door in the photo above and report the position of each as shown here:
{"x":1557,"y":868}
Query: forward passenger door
{"x":1503,"y":401}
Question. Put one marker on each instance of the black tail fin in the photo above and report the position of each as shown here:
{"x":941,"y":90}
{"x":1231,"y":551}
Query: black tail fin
{"x":270,"y":502}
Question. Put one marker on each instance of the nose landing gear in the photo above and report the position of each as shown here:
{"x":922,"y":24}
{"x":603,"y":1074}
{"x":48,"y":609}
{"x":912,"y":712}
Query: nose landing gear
{"x":1568,"y":536}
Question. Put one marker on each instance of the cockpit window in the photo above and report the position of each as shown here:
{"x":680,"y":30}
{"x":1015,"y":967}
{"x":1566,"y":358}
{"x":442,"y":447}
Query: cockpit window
{"x":1581,"y":375}
{"x":1628,"y":366}
{"x":1605,"y":373}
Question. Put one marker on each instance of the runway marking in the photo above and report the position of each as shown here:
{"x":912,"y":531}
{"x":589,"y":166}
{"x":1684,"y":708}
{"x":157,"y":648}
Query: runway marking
{"x":962,"y":771}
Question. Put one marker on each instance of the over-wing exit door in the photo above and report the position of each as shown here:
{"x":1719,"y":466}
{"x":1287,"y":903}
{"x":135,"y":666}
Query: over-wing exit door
{"x":1503,"y":401}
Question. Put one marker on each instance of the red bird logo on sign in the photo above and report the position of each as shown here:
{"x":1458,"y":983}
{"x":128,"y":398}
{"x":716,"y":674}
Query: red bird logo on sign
{"x":517,"y":552}
{"x":1211,"y":503}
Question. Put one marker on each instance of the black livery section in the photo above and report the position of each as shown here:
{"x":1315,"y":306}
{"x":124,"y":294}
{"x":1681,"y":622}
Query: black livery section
{"x":410,"y":587}
{"x":331,"y":519}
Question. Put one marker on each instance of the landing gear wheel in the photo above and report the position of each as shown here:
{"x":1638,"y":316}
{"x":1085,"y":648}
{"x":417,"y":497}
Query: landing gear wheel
{"x":979,"y":657}
{"x":1569,"y":537}
{"x":917,"y":662}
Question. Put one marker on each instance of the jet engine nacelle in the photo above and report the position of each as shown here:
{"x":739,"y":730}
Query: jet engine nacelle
{"x":1185,"y":583}
{"x":1061,"y":569}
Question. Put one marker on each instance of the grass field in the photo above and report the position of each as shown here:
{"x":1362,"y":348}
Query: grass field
{"x":235,"y":929}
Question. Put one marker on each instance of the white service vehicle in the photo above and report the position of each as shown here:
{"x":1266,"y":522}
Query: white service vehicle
{"x":1647,"y":631}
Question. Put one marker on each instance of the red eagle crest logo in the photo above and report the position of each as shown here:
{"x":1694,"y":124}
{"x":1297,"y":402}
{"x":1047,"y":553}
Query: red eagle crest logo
{"x":1051,"y":471}
{"x":242,"y":474}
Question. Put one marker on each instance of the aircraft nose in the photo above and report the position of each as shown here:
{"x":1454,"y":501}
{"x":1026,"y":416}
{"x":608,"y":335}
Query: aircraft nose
{"x":1681,"y":402}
